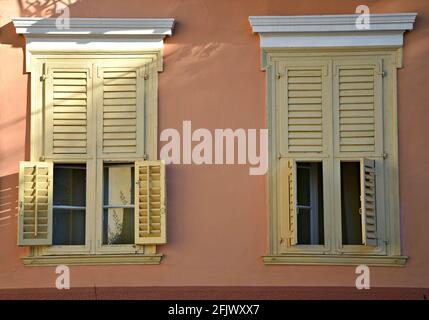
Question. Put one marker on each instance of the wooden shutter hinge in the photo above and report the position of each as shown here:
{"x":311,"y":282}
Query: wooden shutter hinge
{"x":42,"y":158}
{"x":382,"y":73}
{"x":146,"y":76}
{"x":43,"y":77}
{"x":384,"y":155}
{"x":21,"y":208}
{"x":145,"y":157}
{"x":279,"y":75}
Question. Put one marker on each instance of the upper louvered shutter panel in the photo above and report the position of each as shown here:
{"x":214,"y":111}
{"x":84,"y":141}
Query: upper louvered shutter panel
{"x":292,"y":201}
{"x":358,"y":107}
{"x":304,"y":115}
{"x":122,"y":105}
{"x":35,"y":203}
{"x":368,"y":203}
{"x":68,"y":111}
{"x":150,"y":210}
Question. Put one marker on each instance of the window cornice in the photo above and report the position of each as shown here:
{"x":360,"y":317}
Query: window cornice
{"x":105,"y":27}
{"x":92,"y":35}
{"x":331,"y":30}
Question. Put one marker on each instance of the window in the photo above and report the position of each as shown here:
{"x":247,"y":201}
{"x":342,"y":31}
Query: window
{"x":99,"y":194}
{"x":331,"y":99}
{"x":336,"y":157}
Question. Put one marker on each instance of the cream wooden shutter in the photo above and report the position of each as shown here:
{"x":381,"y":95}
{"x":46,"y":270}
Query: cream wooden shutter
{"x":68,"y":110}
{"x":150,"y":196}
{"x":35,"y":203}
{"x":303,"y":96}
{"x":358,"y":106}
{"x":368,"y":203}
{"x":292,"y":201}
{"x":120,"y":101}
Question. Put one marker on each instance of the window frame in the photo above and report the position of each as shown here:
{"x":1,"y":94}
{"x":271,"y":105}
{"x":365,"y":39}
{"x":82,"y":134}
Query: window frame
{"x":388,"y":249}
{"x":153,"y":64}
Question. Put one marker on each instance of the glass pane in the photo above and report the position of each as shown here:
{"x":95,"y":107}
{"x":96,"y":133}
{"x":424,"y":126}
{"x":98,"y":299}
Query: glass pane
{"x":304,"y":226}
{"x":350,"y":203}
{"x":310,"y":227}
{"x":69,"y":190}
{"x":118,"y":185}
{"x":118,"y":226}
{"x":69,"y":227}
{"x":303,"y":184}
{"x":70,"y":185}
{"x":118,"y":214}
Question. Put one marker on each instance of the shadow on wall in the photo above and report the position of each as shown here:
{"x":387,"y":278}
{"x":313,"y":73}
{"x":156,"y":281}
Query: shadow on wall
{"x":42,"y":8}
{"x":8,"y":201}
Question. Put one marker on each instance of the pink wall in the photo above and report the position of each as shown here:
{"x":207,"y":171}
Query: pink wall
{"x":217,"y":214}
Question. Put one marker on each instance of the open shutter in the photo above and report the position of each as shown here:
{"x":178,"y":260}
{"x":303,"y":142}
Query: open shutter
{"x":150,"y":196}
{"x":305,"y":91}
{"x":121,"y":122}
{"x":35,"y":203}
{"x":358,"y":107}
{"x":368,"y":201}
{"x":292,"y":201}
{"x":68,"y":110}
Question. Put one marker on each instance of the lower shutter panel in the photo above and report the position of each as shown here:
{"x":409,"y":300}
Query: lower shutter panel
{"x":292,"y":207}
{"x":368,"y":203}
{"x":150,"y":199}
{"x":35,"y":203}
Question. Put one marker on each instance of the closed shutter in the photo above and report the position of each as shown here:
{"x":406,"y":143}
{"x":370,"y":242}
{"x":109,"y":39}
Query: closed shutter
{"x":292,"y":201}
{"x":368,"y":203}
{"x":304,"y":116}
{"x":358,"y":107}
{"x":35,"y":203}
{"x":121,"y":108}
{"x":150,"y":210}
{"x":68,"y":111}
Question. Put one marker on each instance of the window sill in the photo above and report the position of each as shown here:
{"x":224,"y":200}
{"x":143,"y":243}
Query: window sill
{"x":336,"y":260}
{"x":92,"y":259}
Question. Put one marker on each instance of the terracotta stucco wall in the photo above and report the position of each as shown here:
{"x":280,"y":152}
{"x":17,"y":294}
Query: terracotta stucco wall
{"x":217,"y":214}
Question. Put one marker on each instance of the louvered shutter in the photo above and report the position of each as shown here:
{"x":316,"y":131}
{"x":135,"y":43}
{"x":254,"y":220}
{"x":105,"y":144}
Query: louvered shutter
{"x":35,"y":203}
{"x":304,"y":112}
{"x":121,"y":105}
{"x":358,"y":105}
{"x":368,"y":203}
{"x":68,"y":110}
{"x":150,"y":196}
{"x":292,"y":201}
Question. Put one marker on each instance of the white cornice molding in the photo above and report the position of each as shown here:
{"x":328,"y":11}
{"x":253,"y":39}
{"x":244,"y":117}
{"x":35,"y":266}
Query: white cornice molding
{"x":103,"y":27}
{"x":92,"y":35}
{"x":331,"y":30}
